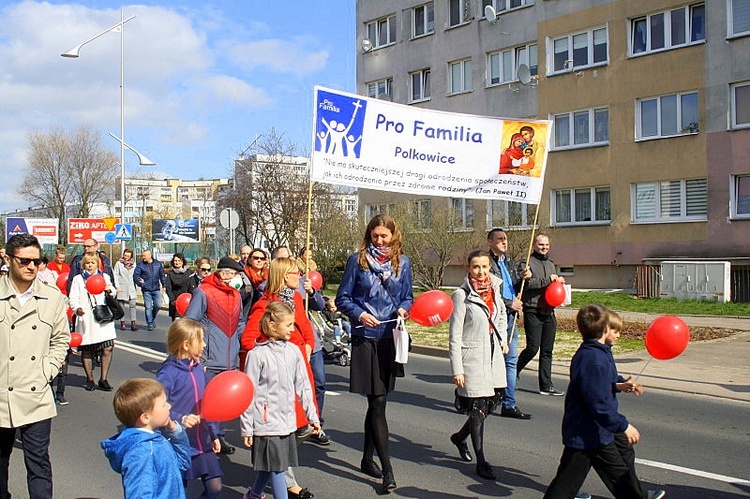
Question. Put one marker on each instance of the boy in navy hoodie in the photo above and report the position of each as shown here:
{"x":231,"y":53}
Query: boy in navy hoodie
{"x":591,"y":419}
{"x":152,"y":450}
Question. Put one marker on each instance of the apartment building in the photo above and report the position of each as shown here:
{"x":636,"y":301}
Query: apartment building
{"x":650,"y":102}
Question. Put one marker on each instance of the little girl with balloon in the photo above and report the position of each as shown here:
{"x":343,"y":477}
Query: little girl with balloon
{"x":184,"y":382}
{"x":278,"y":372}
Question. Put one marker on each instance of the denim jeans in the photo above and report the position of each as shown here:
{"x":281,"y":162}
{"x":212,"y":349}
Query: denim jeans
{"x":152,"y":302}
{"x":511,"y":359}
{"x":317,"y":364}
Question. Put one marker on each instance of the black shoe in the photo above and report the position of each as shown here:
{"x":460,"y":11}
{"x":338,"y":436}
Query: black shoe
{"x":551,"y":391}
{"x":226,"y":448}
{"x":104,"y":385}
{"x":463,"y":448}
{"x":89,"y":386}
{"x":389,"y":483}
{"x":321,"y":438}
{"x":485,"y":471}
{"x":370,"y":468}
{"x":61,"y":400}
{"x":514,"y":412}
{"x":302,"y":494}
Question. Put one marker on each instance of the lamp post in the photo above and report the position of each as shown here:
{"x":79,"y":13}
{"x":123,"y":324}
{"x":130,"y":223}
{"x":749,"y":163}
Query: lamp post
{"x":74,"y":53}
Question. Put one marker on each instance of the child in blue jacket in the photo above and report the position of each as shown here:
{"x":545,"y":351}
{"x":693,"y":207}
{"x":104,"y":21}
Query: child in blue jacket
{"x":152,"y":450}
{"x":184,"y":381}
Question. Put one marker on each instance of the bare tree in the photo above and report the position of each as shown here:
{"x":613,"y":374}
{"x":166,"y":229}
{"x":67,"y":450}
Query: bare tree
{"x":68,"y":172}
{"x":335,"y":234}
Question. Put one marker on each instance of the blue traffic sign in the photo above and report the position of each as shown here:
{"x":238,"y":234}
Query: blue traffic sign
{"x":123,"y":232}
{"x":109,"y":237}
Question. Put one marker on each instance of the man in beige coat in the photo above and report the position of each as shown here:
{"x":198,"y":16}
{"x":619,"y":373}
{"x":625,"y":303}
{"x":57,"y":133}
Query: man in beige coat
{"x":34,"y":338}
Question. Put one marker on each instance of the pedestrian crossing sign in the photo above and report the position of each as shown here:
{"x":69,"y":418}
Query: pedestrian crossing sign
{"x":123,"y":232}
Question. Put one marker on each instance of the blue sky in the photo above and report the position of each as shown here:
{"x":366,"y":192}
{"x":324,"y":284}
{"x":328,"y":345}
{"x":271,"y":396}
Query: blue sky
{"x":202,"y":79}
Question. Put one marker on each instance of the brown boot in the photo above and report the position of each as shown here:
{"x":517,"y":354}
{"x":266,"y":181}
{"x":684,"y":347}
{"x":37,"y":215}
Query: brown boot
{"x":133,"y":327}
{"x":122,"y":325}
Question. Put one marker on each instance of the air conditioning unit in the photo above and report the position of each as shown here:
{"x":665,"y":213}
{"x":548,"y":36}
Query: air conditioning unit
{"x":708,"y":281}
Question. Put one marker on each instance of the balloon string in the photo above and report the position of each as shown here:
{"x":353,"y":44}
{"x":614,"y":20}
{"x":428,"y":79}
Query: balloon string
{"x":382,"y":322}
{"x":644,"y":368}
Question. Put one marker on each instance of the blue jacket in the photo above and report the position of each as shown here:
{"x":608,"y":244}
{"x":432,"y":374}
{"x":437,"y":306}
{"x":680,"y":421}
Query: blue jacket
{"x":150,"y":463}
{"x":152,"y":275}
{"x":591,"y":414}
{"x":362,"y":291}
{"x":184,"y":381}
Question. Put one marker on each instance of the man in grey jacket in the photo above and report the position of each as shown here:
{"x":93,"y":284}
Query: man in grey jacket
{"x":34,"y":338}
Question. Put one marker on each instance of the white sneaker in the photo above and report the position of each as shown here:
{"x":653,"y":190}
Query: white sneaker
{"x":656,"y":494}
{"x":583,"y":495}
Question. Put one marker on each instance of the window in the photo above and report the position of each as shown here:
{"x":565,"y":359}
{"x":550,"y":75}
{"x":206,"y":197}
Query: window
{"x":579,"y":50}
{"x":667,"y":116}
{"x":420,"y":85}
{"x":740,"y":196}
{"x":668,"y":30}
{"x":669,"y":201}
{"x":503,"y":5}
{"x":459,"y":12}
{"x":377,"y":209}
{"x":423,"y":212}
{"x":586,"y":128}
{"x":382,"y":32}
{"x":380,"y":87}
{"x":510,"y":214}
{"x":423,"y":20}
{"x":739,"y":17}
{"x":463,"y":211}
{"x":581,"y":206}
{"x":350,"y":207}
{"x":740,"y":105}
{"x":502,"y":65}
{"x":459,"y":76}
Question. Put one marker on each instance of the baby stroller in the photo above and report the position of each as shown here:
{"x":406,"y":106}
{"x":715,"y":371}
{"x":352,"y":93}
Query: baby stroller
{"x":336,"y":352}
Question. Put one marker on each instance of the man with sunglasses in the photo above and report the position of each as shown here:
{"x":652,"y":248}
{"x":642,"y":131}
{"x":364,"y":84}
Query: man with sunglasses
{"x":34,"y":338}
{"x":91,"y":247}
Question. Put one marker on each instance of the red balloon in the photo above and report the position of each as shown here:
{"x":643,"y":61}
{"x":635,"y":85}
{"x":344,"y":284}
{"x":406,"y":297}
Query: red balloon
{"x":316,"y":279}
{"x":62,"y":283}
{"x":555,"y":294}
{"x":227,"y":396}
{"x":70,"y":314}
{"x":182,"y":302}
{"x":96,"y":284}
{"x":667,"y":337}
{"x":75,"y":340}
{"x":431,"y":308}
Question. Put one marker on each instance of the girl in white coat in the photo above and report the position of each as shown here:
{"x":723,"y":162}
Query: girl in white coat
{"x":478,"y":341}
{"x":97,"y":338}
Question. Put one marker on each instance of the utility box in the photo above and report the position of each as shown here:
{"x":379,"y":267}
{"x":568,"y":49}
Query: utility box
{"x":709,"y":281}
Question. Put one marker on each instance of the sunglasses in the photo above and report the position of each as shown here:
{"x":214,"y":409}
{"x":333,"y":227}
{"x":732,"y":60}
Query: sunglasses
{"x":26,"y":261}
{"x":205,"y":269}
{"x":259,"y":258}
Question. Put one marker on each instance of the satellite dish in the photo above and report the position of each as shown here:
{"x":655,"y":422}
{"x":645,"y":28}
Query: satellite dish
{"x":385,"y":96}
{"x":490,"y":14}
{"x":524,"y":74}
{"x":366,"y":45}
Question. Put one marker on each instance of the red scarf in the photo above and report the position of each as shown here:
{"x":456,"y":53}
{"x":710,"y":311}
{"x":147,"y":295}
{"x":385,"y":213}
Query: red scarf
{"x":256,"y":278}
{"x":485,"y":291}
{"x":223,"y":304}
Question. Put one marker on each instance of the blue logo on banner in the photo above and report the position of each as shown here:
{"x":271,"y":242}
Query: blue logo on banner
{"x":340,"y":120}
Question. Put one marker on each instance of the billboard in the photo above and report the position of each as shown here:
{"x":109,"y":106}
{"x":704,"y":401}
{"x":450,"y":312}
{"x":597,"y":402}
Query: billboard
{"x":177,"y":230}
{"x":80,"y":229}
{"x":45,"y":229}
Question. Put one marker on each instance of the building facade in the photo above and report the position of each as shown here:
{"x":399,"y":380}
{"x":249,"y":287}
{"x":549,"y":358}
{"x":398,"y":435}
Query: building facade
{"x":650,"y":102}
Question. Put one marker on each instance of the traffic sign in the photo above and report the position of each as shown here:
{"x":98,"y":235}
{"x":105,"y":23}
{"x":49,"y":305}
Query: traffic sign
{"x":109,"y":237}
{"x":123,"y":232}
{"x":229,"y":218}
{"x":110,"y":222}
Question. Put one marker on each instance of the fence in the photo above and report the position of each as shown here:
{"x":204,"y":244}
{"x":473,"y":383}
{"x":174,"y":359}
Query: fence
{"x":740,"y":277}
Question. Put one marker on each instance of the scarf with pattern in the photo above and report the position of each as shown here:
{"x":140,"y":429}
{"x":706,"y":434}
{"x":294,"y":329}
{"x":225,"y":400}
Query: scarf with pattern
{"x":484,"y":290}
{"x":379,"y":260}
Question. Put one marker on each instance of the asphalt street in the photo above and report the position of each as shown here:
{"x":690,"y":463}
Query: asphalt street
{"x":692,"y":446}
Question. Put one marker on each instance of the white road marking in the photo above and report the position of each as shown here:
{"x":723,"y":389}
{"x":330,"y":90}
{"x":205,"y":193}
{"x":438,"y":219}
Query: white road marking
{"x":698,"y":473}
{"x":142,"y":351}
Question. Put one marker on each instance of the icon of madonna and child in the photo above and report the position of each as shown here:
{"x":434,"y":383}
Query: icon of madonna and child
{"x":525,"y":153}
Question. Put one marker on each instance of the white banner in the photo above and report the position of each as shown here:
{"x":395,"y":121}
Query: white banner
{"x":376,"y":144}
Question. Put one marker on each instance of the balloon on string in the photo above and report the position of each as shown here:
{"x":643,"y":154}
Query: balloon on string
{"x":554,"y":295}
{"x":96,"y":284}
{"x":227,"y":396}
{"x":62,"y":283}
{"x":75,"y":340}
{"x":431,"y":308}
{"x":316,"y":279}
{"x":667,"y":337}
{"x":182,"y":302}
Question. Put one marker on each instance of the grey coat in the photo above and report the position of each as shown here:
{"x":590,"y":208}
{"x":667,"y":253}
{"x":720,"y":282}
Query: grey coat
{"x":470,"y":344}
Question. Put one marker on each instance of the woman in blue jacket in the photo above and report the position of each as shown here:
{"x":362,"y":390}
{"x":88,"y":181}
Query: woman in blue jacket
{"x":374,"y":291}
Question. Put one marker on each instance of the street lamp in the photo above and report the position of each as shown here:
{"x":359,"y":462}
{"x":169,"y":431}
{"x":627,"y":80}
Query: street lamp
{"x":74,"y":53}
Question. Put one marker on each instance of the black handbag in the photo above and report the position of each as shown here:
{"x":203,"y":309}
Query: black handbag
{"x":114,"y":305}
{"x":102,"y":313}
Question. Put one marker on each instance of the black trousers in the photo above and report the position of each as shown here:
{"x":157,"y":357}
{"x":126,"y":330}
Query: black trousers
{"x":35,"y":439}
{"x":540,"y":334}
{"x":607,"y":461}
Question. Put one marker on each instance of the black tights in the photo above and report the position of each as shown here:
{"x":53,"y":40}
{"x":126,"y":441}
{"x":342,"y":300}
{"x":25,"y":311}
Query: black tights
{"x":376,"y":431}
{"x":474,"y":426}
{"x":211,"y":487}
{"x":87,"y":359}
